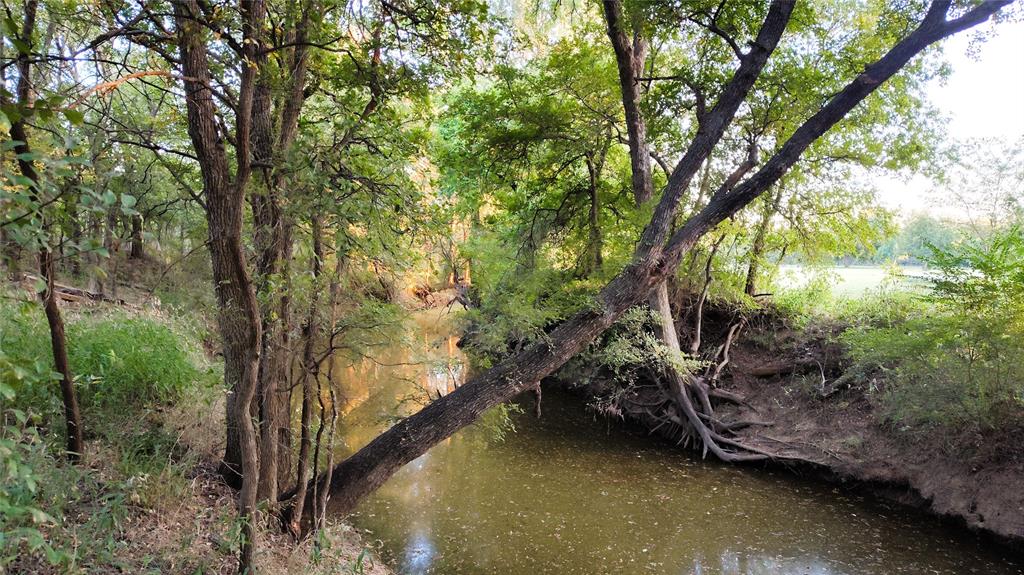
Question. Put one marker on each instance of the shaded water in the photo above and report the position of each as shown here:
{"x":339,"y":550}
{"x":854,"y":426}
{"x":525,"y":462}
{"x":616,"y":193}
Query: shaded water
{"x":572,"y":494}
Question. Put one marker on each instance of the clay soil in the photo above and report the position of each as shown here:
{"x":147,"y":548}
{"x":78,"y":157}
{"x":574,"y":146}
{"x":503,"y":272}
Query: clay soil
{"x":971,"y":475}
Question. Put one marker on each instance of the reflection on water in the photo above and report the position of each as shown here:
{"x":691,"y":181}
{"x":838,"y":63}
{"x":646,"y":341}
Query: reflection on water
{"x":572,"y":494}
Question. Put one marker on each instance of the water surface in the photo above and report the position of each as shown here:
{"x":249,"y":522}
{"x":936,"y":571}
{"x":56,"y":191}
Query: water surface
{"x":572,"y":494}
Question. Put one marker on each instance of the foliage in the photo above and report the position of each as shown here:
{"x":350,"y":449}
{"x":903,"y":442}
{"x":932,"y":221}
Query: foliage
{"x":961,"y":363}
{"x":132,"y":365}
{"x":894,"y":300}
{"x":122,"y":362}
{"x":23,"y":458}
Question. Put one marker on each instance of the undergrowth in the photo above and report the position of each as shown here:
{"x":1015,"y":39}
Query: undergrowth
{"x":70,"y":519}
{"x":946,"y":357}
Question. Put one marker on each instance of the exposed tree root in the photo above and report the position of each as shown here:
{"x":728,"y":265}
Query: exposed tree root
{"x":682,"y":408}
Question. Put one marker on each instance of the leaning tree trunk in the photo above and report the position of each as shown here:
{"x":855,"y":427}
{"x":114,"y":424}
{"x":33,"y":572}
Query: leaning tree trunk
{"x":654,"y":260}
{"x":368,"y":468}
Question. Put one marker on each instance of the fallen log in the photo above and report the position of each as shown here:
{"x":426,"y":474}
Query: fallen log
{"x":74,"y":294}
{"x":772,"y":369}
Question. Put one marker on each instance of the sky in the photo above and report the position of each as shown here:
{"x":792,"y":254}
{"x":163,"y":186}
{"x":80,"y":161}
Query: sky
{"x":983,"y":97}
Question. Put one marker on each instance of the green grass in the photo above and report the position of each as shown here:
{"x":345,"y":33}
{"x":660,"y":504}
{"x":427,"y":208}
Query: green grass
{"x":126,"y":368}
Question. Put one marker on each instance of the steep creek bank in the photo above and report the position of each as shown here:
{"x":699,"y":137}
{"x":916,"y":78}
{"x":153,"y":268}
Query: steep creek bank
{"x":787,"y":378}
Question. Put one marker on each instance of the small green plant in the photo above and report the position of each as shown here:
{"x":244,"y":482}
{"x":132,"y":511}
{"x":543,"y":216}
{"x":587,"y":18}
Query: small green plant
{"x":497,"y":421}
{"x":22,"y":454}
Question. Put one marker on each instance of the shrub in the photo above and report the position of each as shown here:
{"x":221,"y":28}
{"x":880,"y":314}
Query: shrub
{"x":123,"y":366}
{"x":962,"y":362}
{"x":943,"y":369}
{"x":22,"y":454}
{"x":118,"y":361}
{"x":129,"y":361}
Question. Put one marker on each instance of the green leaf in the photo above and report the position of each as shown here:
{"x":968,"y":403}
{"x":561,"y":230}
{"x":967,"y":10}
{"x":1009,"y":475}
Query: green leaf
{"x":11,"y":26}
{"x":12,"y":112}
{"x":74,"y":116}
{"x":21,"y":46}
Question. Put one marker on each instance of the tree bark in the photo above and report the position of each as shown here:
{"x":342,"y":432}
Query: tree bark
{"x":771,"y":208}
{"x":310,"y":373}
{"x":59,"y":346}
{"x":54,"y":320}
{"x":630,"y":57}
{"x":137,"y":248}
{"x":238,"y":312}
{"x":273,"y":246}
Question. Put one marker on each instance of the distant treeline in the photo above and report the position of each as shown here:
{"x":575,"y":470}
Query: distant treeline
{"x":915,"y":242}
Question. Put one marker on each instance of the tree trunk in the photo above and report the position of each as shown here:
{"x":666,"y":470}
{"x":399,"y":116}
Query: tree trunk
{"x":137,"y":250}
{"x":595,"y":260}
{"x":238,"y":311}
{"x":59,"y":346}
{"x":112,"y":243}
{"x":310,"y":373}
{"x":654,"y":260}
{"x":274,"y":247}
{"x":58,"y":340}
{"x":771,"y":208}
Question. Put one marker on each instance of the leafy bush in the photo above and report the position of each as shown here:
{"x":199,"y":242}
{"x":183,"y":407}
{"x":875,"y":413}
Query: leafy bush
{"x":118,"y":360}
{"x":22,"y":453}
{"x":961,"y":362}
{"x":129,"y":361}
{"x":944,"y":369}
{"x":123,"y":366}
{"x":888,"y":304}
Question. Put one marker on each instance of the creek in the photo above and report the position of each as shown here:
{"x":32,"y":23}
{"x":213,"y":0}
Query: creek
{"x":573,"y":493}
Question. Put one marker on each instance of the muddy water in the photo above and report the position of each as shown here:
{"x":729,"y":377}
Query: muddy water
{"x":570,"y":494}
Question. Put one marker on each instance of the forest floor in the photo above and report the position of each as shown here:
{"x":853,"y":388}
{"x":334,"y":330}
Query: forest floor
{"x":180,"y":517}
{"x":195,"y":530}
{"x":970,"y":475}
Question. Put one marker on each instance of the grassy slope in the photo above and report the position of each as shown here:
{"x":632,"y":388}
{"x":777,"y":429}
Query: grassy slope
{"x":146,"y":498}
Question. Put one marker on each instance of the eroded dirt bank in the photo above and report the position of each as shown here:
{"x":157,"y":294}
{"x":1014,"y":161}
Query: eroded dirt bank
{"x":787,"y":378}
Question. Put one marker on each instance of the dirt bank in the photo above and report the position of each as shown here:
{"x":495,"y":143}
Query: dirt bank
{"x":787,"y":381}
{"x":971,"y":475}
